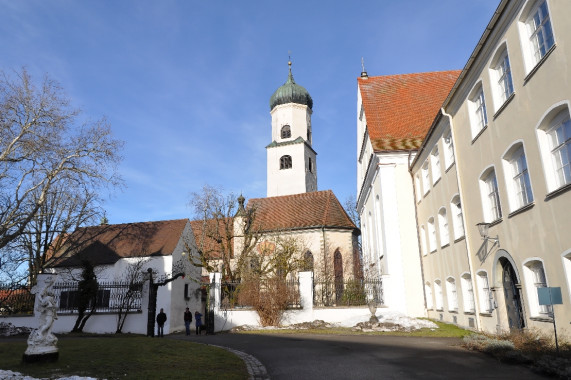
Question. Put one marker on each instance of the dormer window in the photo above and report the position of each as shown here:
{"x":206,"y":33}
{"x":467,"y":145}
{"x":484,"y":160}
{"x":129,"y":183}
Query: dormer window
{"x":286,"y":132}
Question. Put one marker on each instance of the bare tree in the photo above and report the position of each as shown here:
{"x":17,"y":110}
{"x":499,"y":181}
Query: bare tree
{"x":64,"y":210}
{"x":86,"y":296}
{"x":220,"y":238}
{"x":133,"y":278}
{"x":45,"y":144}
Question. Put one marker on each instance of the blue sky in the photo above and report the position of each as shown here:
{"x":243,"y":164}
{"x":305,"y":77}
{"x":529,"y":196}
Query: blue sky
{"x":186,"y":84}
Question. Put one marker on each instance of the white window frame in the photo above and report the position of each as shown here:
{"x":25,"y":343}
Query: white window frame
{"x":490,"y":192}
{"x":535,"y":45}
{"x":535,"y":277}
{"x":438,"y":298}
{"x":452,"y":294}
{"x":435,"y":164}
{"x":448,"y":149}
{"x":518,"y":181}
{"x":428,"y":294}
{"x":431,"y":229}
{"x":501,"y":77}
{"x":443,"y":227}
{"x":467,"y":293}
{"x":556,"y":170}
{"x":457,"y":216}
{"x":425,"y":178}
{"x":477,"y":110}
{"x":484,"y":292}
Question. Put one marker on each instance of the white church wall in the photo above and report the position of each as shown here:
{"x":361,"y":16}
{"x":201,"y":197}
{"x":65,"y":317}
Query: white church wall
{"x":297,"y":116}
{"x":286,"y":181}
{"x":388,"y":223}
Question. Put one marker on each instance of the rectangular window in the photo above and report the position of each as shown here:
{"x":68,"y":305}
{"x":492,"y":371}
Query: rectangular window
{"x":504,"y":78}
{"x":485,"y":293}
{"x":560,"y":145}
{"x":521,"y":182}
{"x":457,"y":215}
{"x":425,"y":178}
{"x":438,"y":295}
{"x":448,"y":150}
{"x":468,"y":293}
{"x":480,"y":112}
{"x":431,"y":235}
{"x":435,"y":163}
{"x":452,"y":295}
{"x":492,"y":198}
{"x":541,"y":33}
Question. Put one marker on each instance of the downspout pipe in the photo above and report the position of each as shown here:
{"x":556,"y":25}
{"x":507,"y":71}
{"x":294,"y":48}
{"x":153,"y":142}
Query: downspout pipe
{"x":466,"y":236}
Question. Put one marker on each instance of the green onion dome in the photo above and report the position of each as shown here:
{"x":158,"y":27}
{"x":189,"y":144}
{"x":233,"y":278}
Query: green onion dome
{"x":291,"y":92}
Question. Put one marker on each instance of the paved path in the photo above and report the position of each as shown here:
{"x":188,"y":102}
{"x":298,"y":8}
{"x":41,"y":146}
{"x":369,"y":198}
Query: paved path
{"x":305,"y":356}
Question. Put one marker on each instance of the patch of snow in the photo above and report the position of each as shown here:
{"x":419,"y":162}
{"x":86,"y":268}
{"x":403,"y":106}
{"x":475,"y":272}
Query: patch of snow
{"x":10,"y":375}
{"x":387,"y":321}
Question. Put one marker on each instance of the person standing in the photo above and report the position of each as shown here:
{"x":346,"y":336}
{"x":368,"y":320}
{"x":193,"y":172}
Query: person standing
{"x":161,"y":319}
{"x":198,"y":322}
{"x":187,"y":320}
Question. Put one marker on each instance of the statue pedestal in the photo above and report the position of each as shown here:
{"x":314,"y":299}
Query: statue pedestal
{"x":40,"y":358}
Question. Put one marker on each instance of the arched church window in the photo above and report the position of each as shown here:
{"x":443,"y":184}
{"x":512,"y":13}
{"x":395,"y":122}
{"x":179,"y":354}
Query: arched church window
{"x":286,"y":132}
{"x":310,"y":165}
{"x":285,"y":162}
{"x":308,"y":261}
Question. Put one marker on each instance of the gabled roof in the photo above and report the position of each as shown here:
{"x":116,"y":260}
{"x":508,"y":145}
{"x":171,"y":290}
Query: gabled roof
{"x":314,"y":209}
{"x":105,"y":244}
{"x":400,"y":108}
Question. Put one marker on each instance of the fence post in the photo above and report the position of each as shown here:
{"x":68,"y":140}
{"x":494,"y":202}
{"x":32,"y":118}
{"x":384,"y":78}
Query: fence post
{"x":306,"y":290}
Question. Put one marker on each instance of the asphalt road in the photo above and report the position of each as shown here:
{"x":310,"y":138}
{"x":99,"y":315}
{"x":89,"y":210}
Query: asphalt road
{"x":305,"y":356}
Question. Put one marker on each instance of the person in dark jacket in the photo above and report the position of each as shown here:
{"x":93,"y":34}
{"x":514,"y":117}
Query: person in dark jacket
{"x":198,"y":322}
{"x":161,"y":319}
{"x":187,"y":320}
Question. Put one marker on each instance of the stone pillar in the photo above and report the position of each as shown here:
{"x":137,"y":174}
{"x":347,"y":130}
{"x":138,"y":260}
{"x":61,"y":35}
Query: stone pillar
{"x":306,"y":290}
{"x":42,"y":343}
{"x":216,"y":279}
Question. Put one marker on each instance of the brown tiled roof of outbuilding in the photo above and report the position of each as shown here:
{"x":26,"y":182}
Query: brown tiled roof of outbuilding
{"x":105,"y":244}
{"x":314,"y":209}
{"x":400,"y":108}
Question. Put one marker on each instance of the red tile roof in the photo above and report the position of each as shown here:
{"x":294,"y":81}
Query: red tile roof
{"x":314,"y":209}
{"x":307,"y":210}
{"x":105,"y":244}
{"x":400,"y":108}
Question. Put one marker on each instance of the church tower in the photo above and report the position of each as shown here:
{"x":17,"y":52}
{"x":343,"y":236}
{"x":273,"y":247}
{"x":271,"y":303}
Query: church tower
{"x":291,"y":162}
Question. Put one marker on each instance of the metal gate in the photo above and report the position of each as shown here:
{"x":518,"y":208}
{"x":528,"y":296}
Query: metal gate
{"x":210,"y":303}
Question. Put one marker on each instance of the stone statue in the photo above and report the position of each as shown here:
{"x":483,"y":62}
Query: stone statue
{"x":42,"y":343}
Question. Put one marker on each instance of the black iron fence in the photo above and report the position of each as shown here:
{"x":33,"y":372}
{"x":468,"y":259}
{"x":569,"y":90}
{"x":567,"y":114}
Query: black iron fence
{"x":111,"y":297}
{"x":16,"y":300}
{"x":332,"y":291}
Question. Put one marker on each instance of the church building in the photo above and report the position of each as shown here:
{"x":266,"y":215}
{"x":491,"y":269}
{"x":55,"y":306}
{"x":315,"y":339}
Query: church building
{"x":294,"y":207}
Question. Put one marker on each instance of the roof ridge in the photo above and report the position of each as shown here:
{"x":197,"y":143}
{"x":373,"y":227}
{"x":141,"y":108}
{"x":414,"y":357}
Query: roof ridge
{"x":410,"y":74}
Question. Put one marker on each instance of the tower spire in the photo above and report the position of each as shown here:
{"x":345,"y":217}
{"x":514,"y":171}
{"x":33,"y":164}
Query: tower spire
{"x":363,"y":71}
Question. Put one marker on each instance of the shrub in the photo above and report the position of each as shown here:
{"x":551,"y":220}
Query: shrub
{"x":269,"y":297}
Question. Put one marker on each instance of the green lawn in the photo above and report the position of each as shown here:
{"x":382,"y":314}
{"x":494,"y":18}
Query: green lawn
{"x":127,"y":357}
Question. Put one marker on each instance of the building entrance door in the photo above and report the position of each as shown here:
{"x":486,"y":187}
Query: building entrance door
{"x":512,"y":296}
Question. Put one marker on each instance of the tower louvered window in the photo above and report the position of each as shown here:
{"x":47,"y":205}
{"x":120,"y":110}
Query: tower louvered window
{"x":285,"y":162}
